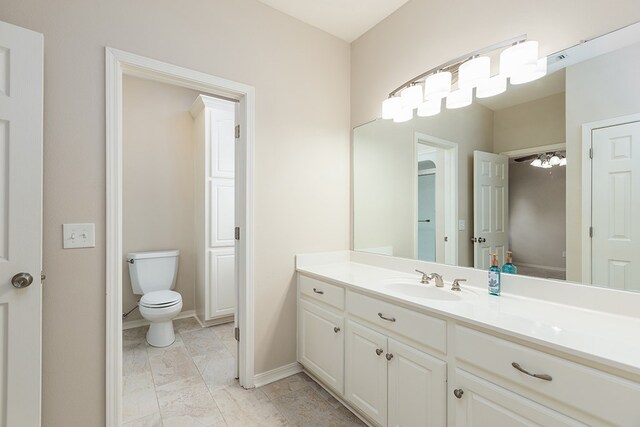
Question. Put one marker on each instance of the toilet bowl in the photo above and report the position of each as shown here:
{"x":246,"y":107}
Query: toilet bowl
{"x":153,"y":275}
{"x":160,"y":308}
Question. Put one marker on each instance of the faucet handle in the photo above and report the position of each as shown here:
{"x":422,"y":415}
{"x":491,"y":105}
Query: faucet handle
{"x":425,"y":276}
{"x":456,"y":284}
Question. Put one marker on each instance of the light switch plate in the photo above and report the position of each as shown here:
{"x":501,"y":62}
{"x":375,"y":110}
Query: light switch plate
{"x":78,"y":236}
{"x":461,"y":224}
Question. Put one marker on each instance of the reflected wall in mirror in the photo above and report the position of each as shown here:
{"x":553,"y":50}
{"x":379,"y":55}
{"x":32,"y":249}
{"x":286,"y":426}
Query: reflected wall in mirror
{"x":549,"y":170}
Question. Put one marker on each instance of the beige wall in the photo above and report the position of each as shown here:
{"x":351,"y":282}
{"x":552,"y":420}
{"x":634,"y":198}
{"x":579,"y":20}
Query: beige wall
{"x":158,"y":180}
{"x":301,"y":76}
{"x":532,"y":124}
{"x":537,"y":214}
{"x":601,"y":88}
{"x":384,"y":176}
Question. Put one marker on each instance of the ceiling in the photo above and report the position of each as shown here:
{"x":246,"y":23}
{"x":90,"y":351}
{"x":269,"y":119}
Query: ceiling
{"x":346,"y":19}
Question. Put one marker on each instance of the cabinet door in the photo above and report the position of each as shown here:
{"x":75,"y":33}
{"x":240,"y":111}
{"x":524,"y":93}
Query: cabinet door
{"x":222,"y":293}
{"x":484,"y":404}
{"x":366,"y":371}
{"x":417,"y":387}
{"x":321,"y":344}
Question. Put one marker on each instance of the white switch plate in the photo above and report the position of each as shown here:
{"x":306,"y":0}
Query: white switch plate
{"x":78,"y":236}
{"x":461,"y":224}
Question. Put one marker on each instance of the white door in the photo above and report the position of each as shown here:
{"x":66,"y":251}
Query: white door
{"x":321,"y":344}
{"x":240,"y":219}
{"x":417,"y":388}
{"x":21,"y":53}
{"x":479,"y":403}
{"x":615,"y":205}
{"x":490,"y":208}
{"x":366,"y":371}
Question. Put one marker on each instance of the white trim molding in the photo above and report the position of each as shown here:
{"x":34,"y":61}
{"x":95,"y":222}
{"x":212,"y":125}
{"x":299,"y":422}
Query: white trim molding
{"x":587,"y":133}
{"x":276,"y":374}
{"x":119,"y":63}
{"x":562,"y":146}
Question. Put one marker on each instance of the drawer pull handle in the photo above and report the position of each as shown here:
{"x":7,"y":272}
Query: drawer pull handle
{"x":379,"y":351}
{"x":458,"y":393}
{"x":389,"y":356}
{"x":389,"y":319}
{"x":318,"y":291}
{"x":524,"y":371}
{"x":336,"y":329}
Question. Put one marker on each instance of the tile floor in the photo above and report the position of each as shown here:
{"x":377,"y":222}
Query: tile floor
{"x":190,"y":383}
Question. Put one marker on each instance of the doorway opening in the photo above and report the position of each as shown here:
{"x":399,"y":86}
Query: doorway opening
{"x":436,"y":201}
{"x":228,"y":230}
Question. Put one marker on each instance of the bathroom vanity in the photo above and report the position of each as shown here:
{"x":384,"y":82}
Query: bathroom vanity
{"x":402,"y":353}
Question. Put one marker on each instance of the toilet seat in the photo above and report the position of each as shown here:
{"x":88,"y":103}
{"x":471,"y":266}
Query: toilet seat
{"x":160,"y":299}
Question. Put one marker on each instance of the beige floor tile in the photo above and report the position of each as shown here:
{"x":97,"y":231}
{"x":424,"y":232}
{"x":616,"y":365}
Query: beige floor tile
{"x":306,"y":407}
{"x":287,"y":385}
{"x":188,"y":403}
{"x":204,"y":342}
{"x":153,"y":420}
{"x":135,"y":359}
{"x":242,"y":407}
{"x":134,"y":336}
{"x":186,"y":325}
{"x":172,"y":365}
{"x":216,"y":371}
{"x":139,"y":397}
{"x":224,"y":331}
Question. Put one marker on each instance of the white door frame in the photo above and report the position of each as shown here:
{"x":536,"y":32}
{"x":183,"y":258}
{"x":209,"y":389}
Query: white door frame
{"x":587,"y":135}
{"x":119,"y":63}
{"x":535,"y":150}
{"x":450,"y":188}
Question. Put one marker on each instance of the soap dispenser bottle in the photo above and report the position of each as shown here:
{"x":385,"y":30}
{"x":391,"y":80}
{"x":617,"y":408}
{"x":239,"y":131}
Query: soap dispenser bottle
{"x":508,"y":266}
{"x":494,"y":276}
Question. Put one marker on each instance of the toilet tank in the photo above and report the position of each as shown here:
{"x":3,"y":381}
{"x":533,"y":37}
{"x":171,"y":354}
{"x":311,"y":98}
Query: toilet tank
{"x":153,"y":271}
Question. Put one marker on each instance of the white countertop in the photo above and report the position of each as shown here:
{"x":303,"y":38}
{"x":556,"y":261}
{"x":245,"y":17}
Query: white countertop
{"x":602,"y":337}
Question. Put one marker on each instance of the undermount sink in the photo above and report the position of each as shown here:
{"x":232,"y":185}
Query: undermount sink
{"x":416,"y":289}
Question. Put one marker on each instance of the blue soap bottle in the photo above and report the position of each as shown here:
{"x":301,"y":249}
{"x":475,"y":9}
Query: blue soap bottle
{"x":508,"y":266}
{"x":494,"y":276}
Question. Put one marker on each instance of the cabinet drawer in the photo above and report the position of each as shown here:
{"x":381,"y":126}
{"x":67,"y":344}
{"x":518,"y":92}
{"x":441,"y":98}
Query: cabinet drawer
{"x":322,"y":291}
{"x":611,"y":399}
{"x":423,"y":329}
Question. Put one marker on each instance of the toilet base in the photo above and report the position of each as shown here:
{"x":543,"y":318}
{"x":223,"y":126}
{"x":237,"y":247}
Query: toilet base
{"x":160,"y":334}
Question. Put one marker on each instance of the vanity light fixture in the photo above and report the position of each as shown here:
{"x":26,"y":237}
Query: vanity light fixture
{"x":519,"y":63}
{"x":549,"y":160}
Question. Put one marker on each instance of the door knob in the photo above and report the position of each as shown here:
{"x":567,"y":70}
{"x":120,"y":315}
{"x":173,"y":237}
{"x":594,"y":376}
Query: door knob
{"x":379,"y":351}
{"x":474,"y":240}
{"x":22,"y":280}
{"x":458,"y":393}
{"x":481,"y":240}
{"x":389,"y":356}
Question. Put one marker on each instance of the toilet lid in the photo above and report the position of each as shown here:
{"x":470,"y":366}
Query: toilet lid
{"x":159,"y":299}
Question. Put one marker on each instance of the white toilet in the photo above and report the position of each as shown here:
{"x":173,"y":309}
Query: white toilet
{"x":153,"y":275}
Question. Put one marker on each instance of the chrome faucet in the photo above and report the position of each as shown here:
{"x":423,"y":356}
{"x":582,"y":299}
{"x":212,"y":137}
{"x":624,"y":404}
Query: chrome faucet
{"x":425,"y":277}
{"x":439,"y":281}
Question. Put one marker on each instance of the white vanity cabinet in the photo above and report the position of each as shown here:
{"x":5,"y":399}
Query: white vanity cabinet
{"x":214,"y":140}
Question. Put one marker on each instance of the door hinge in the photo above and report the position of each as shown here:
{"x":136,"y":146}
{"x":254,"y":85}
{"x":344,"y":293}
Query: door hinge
{"x":236,"y":333}
{"x":237,"y":233}
{"x":590,"y":231}
{"x":591,"y":153}
{"x":237,"y":131}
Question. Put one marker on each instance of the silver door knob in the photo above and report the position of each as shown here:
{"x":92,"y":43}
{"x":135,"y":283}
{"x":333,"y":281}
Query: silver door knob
{"x":22,"y":280}
{"x":389,"y":356}
{"x":481,"y":240}
{"x":458,"y":393}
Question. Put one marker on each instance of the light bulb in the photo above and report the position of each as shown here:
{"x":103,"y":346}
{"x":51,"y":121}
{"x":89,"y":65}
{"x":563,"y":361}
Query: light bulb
{"x":563,"y":161}
{"x":546,"y":165}
{"x":473,"y":72}
{"x":537,"y":162}
{"x":403,"y":115}
{"x":411,"y":96}
{"x":554,"y":160}
{"x":429,"y":108}
{"x":390,"y":106}
{"x":437,"y":86}
{"x":459,"y":98}
{"x":493,"y":86}
{"x":519,"y":58}
{"x":529,"y":76}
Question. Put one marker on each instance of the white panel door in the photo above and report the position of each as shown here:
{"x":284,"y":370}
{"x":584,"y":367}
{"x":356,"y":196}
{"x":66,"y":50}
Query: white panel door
{"x":484,"y":404}
{"x":321,"y":344}
{"x":615,"y":205}
{"x":490,"y":207}
{"x":221,"y":119}
{"x":222,"y":213}
{"x":21,"y":54}
{"x":417,"y":388}
{"x":366,"y":371}
{"x":222,"y":296}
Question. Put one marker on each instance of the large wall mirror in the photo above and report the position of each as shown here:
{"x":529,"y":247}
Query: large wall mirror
{"x":549,"y":170}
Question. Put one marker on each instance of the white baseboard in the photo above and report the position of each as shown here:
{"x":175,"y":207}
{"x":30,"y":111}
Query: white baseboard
{"x":214,"y":322}
{"x":543,"y":267}
{"x":273,"y":375}
{"x":144,"y":322}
